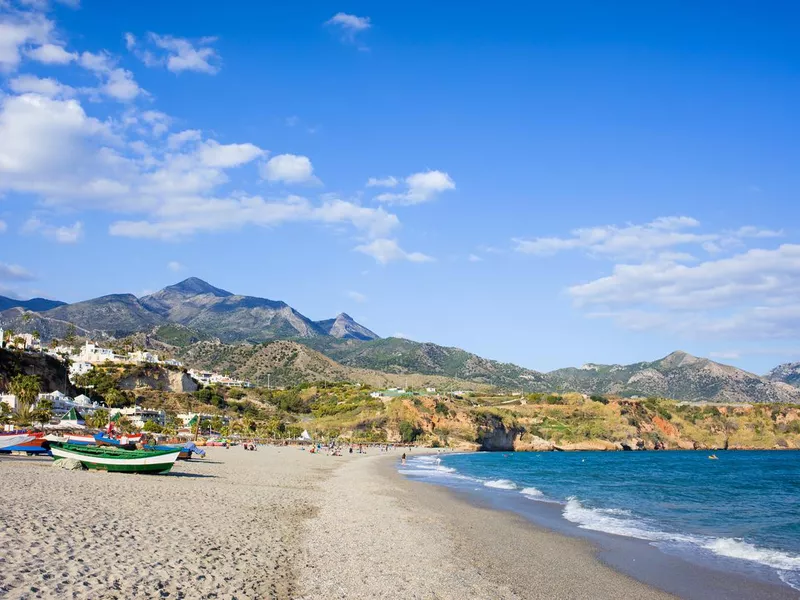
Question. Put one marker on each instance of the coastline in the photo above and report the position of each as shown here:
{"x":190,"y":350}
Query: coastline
{"x":533,"y":521}
{"x":284,"y":523}
{"x":380,"y":535}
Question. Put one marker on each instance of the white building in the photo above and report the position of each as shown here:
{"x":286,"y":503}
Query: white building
{"x":138,"y":415}
{"x":24,"y":341}
{"x":10,"y":400}
{"x":141,"y":356}
{"x":94,"y":354}
{"x":79,"y":368}
{"x":63,"y":403}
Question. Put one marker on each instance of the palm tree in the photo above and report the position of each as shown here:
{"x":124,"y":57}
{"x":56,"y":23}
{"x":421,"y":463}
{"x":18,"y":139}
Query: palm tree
{"x":26,"y":389}
{"x":26,"y":317}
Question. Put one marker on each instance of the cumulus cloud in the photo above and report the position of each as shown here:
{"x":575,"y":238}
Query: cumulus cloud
{"x":214,"y":154}
{"x":174,"y":266}
{"x":43,"y":86}
{"x":661,"y":280}
{"x":386,"y":250}
{"x":647,"y":239}
{"x":349,"y":26}
{"x":289,"y":168}
{"x":383,"y":181}
{"x":176,"y":140}
{"x":175,"y":53}
{"x":52,"y":54}
{"x":420,"y":187}
{"x":62,"y":234}
{"x":18,"y":31}
{"x":155,"y":184}
{"x":14,"y":273}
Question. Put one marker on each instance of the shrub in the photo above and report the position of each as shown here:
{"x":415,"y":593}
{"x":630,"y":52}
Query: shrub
{"x":409,"y":432}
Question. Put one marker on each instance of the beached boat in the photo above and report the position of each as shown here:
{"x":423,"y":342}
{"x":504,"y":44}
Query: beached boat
{"x":8,"y":441}
{"x":125,"y":442}
{"x":118,"y":460}
{"x":34,"y":444}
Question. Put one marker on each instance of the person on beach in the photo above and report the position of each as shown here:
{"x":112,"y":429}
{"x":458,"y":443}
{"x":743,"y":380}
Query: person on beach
{"x":404,"y":459}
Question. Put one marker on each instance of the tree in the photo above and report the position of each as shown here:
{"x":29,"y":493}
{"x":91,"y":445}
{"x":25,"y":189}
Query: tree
{"x":70,"y":337}
{"x":409,"y":432}
{"x":26,"y":389}
{"x":216,"y":423}
{"x":124,"y":425}
{"x":5,"y":414}
{"x":26,"y":317}
{"x":99,"y":419}
{"x":43,"y":412}
{"x":152,"y":427}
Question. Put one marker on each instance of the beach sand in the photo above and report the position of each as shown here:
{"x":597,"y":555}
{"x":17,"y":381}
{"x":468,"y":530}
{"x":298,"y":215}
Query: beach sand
{"x":277,"y":523}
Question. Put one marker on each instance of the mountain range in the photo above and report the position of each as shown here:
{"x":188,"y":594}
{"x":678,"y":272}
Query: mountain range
{"x":209,"y":328}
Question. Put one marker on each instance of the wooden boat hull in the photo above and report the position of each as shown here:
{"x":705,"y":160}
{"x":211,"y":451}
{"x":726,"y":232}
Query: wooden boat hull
{"x":35,"y":444}
{"x":9,"y":441}
{"x":118,"y":461}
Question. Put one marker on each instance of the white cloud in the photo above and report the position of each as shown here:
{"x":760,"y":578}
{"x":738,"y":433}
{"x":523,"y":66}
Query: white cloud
{"x":157,"y":120}
{"x":115,"y":83}
{"x":349,"y":25}
{"x":375,"y":222}
{"x":43,"y":86}
{"x":386,"y":250}
{"x":356,"y":296}
{"x":17,"y":31}
{"x":100,"y":62}
{"x":3,"y":226}
{"x":754,"y":274}
{"x":51,"y":54}
{"x":14,"y":273}
{"x":176,"y":140}
{"x":474,"y":258}
{"x":121,"y":85}
{"x":291,"y":121}
{"x":289,"y":168}
{"x":214,"y":154}
{"x":611,"y":240}
{"x":390,"y":181}
{"x":62,"y":234}
{"x":177,"y":54}
{"x":421,"y":187}
{"x":174,"y":266}
{"x":647,"y":240}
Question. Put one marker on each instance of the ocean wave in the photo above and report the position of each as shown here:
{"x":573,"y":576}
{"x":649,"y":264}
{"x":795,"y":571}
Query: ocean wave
{"x":733,"y":548}
{"x":617,"y":522}
{"x":621,"y":522}
{"x":501,"y":484}
{"x":531,"y":492}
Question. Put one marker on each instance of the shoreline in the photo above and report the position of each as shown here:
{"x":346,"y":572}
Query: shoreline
{"x":634,"y":558}
{"x":398,"y":538}
{"x":284,"y":523}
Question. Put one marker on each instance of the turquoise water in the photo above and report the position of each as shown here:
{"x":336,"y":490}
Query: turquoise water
{"x":742,"y":509}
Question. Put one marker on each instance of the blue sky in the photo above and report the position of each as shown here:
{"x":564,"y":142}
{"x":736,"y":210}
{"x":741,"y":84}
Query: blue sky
{"x":547,"y":184}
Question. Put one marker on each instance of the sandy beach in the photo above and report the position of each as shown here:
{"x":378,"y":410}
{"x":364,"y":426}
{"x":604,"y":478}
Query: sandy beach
{"x":277,"y":523}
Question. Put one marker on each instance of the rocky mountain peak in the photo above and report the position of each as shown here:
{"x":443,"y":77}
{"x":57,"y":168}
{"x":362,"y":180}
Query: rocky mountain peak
{"x":194,"y":286}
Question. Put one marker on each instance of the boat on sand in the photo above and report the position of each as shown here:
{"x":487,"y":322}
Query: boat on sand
{"x":107,"y":458}
{"x":9,"y":441}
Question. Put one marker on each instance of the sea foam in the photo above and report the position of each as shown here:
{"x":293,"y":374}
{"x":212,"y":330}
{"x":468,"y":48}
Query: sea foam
{"x":501,"y":484}
{"x":531,"y":492}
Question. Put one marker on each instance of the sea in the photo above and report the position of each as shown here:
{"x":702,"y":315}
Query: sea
{"x":739,"y":513}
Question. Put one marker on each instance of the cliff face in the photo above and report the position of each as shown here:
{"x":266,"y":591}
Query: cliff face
{"x":494,"y":434}
{"x":50,"y":371}
{"x":158,"y":378}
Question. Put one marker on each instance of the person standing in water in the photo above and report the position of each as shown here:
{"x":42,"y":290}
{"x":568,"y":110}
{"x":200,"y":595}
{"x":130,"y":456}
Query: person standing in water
{"x":404,"y":459}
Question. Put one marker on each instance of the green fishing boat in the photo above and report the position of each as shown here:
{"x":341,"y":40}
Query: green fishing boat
{"x":116,"y":460}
